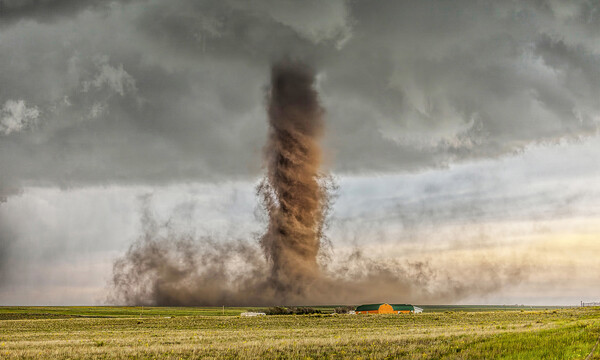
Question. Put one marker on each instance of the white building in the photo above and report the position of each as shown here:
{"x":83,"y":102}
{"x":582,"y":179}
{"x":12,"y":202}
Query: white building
{"x":252,"y":314}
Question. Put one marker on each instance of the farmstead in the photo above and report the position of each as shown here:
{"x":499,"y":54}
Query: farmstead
{"x":388,"y":309}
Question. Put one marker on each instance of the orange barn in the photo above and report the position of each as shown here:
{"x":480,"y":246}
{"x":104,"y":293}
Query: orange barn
{"x":385,"y":309}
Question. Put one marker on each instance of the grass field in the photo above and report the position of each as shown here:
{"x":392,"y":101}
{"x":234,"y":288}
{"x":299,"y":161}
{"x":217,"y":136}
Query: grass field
{"x":173,"y":333}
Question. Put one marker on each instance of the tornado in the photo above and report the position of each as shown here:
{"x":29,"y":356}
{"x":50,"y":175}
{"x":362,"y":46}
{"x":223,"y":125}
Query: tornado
{"x":284,"y":264}
{"x":292,"y":190}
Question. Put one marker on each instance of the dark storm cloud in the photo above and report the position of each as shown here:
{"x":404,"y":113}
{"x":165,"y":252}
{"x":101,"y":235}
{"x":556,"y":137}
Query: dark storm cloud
{"x":153,"y":92}
{"x":46,"y":10}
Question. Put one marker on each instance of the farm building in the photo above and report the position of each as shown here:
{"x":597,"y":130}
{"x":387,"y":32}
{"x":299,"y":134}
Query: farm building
{"x":388,"y":309}
{"x":253,"y":314}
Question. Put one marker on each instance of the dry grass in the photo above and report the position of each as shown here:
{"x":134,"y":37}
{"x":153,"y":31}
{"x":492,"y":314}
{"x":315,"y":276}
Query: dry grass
{"x":554,"y":334}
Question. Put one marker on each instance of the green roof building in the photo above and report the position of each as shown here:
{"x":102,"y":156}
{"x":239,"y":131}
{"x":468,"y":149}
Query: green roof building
{"x":384,"y":308}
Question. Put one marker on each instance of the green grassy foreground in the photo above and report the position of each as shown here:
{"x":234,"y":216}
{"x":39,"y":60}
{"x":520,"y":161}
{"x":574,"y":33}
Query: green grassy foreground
{"x":173,"y":333}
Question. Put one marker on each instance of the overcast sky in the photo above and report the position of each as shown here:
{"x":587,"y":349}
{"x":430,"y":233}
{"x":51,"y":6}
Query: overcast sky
{"x":460,"y":132}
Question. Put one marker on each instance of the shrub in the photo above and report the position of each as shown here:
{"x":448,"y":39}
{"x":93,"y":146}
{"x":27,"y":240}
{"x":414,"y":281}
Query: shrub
{"x":305,"y":311}
{"x":281,"y":310}
{"x":278,"y":310}
{"x":343,"y":309}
